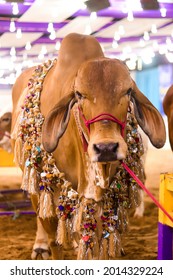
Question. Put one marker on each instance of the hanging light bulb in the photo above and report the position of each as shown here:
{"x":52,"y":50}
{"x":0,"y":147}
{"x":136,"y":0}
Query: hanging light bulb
{"x":41,"y":56}
{"x":142,"y":43}
{"x":28,"y":46}
{"x":13,"y":51}
{"x":12,"y":26}
{"x":52,"y":35}
{"x":57,"y":45}
{"x":130,"y":15}
{"x":115,"y":44}
{"x":116,"y":36}
{"x":43,"y":50}
{"x":19,"y":33}
{"x":163,"y":12}
{"x":121,"y":30}
{"x":50,"y":27}
{"x":15,"y":9}
{"x":154,"y":28}
{"x":93,"y":16}
{"x":146,"y":36}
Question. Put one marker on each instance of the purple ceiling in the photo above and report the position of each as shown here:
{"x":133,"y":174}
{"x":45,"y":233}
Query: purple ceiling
{"x":114,"y":12}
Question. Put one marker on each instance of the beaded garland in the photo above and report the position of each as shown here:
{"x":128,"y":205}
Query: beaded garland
{"x":85,"y":216}
{"x":41,"y":176}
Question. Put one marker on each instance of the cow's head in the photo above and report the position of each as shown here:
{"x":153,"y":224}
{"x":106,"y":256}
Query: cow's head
{"x":5,"y":128}
{"x":104,"y":86}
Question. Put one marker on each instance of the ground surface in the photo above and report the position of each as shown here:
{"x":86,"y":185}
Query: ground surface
{"x":17,"y":235}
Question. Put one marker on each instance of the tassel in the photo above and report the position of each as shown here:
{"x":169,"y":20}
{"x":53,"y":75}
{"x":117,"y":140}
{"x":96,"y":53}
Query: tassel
{"x":33,"y":184}
{"x":95,"y":249}
{"x":69,"y":231}
{"x":122,"y":223}
{"x":47,"y":209}
{"x":61,"y":232}
{"x":104,"y":249}
{"x":82,"y":249}
{"x":25,"y":179}
{"x":134,"y":196}
{"x":18,"y":153}
{"x":77,"y":220}
{"x":114,"y":245}
{"x":89,"y":255}
{"x":16,"y":128}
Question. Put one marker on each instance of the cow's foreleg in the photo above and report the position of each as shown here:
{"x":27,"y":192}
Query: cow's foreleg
{"x":41,"y":248}
{"x":139,"y":212}
{"x":50,"y":226}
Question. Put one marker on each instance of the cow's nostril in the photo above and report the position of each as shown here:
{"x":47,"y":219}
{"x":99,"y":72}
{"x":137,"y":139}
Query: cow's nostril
{"x":114,"y":147}
{"x":105,"y":148}
{"x":97,"y":148}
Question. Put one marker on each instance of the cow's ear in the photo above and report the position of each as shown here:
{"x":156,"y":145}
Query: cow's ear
{"x":56,"y":122}
{"x":148,"y":118}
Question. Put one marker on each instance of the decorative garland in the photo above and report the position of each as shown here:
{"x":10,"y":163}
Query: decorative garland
{"x":77,"y":217}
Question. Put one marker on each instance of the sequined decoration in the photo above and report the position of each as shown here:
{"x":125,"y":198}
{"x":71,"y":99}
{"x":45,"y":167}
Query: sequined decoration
{"x":41,"y":175}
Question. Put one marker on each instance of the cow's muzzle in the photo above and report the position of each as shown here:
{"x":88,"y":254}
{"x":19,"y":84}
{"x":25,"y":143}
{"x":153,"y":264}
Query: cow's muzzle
{"x":106,"y":152}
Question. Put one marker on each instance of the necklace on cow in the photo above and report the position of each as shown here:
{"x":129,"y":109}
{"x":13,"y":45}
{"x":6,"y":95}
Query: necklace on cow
{"x":40,"y":173}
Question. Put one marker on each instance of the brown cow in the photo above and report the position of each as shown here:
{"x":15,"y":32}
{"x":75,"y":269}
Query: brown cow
{"x":5,"y":129}
{"x":168,"y":109}
{"x":84,"y":95}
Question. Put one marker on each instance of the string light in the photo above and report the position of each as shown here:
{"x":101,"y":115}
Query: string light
{"x":50,"y":27}
{"x":43,"y":50}
{"x":154,"y":28}
{"x":19,"y":33}
{"x":142,"y":43}
{"x":115,"y":44}
{"x":12,"y":26}
{"x":130,"y":15}
{"x":121,"y":30}
{"x":93,"y":16}
{"x":57,"y":45}
{"x":163,"y":12}
{"x":116,"y":36}
{"x":146,"y":36}
{"x":13,"y":51}
{"x":52,"y":35}
{"x":15,"y":9}
{"x":28,"y":46}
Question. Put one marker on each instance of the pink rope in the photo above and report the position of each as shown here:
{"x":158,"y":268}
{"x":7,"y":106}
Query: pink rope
{"x":146,"y":190}
{"x":5,"y":134}
{"x":100,"y":117}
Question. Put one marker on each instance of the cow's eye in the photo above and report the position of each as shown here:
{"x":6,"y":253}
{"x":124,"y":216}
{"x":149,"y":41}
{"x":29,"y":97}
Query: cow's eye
{"x":79,"y":95}
{"x":129,"y":91}
{"x":6,"y":119}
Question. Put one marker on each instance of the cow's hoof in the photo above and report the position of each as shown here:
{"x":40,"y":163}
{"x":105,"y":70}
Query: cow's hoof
{"x":40,"y":254}
{"x":122,"y":252}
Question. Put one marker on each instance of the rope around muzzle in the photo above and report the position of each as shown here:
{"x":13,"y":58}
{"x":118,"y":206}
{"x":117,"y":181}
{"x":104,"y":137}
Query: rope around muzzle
{"x":5,"y":133}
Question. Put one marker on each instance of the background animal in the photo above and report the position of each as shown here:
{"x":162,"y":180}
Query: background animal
{"x":5,"y":128}
{"x":85,"y":98}
{"x":168,"y":109}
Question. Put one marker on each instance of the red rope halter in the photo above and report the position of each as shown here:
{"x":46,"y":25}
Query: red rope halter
{"x":101,"y":117}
